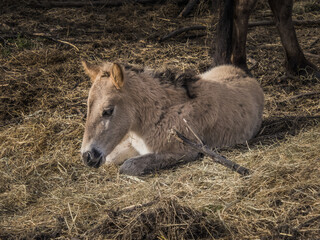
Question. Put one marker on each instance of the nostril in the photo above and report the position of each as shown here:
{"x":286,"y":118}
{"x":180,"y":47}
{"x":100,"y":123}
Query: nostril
{"x":86,"y":157}
{"x":92,"y":158}
{"x":96,"y":153}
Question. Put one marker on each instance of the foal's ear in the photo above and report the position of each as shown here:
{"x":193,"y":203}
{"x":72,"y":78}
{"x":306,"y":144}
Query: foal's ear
{"x":91,"y":70}
{"x":116,"y":75}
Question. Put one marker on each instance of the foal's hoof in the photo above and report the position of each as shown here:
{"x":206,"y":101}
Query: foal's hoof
{"x":133,"y":167}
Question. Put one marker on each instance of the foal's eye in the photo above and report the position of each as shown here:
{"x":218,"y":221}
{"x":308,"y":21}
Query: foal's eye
{"x":107,"y":112}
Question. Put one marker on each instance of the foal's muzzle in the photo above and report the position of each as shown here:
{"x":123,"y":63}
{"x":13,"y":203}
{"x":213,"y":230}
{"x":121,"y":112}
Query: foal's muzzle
{"x":92,"y":158}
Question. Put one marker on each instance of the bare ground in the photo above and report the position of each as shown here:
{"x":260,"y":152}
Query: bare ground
{"x":45,"y":190}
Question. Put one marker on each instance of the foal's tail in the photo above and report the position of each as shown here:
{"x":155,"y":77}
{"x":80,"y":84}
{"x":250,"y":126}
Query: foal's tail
{"x":223,"y":40}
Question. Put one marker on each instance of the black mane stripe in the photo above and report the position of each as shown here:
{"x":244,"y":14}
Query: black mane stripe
{"x":168,"y":76}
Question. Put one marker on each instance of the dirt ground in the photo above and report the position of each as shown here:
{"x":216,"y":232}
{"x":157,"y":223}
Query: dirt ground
{"x":46,"y":192}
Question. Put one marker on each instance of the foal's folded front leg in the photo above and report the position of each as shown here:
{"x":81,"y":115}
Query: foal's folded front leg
{"x":151,"y":162}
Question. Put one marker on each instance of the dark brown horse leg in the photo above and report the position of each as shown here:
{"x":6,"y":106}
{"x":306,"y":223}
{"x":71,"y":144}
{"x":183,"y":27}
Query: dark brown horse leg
{"x":296,"y":63}
{"x":242,"y":12}
{"x":152,"y":162}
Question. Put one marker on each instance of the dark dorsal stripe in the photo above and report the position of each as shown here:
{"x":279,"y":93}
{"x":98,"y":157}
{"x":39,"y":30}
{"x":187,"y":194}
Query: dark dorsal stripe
{"x":178,"y":79}
{"x":168,"y":76}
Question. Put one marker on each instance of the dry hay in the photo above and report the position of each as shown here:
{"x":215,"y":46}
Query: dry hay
{"x":45,"y":190}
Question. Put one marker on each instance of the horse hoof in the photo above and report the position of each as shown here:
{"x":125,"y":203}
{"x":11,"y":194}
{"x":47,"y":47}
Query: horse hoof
{"x":132,"y":167}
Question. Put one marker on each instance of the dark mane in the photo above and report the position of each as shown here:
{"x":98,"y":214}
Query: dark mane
{"x":134,"y":68}
{"x":178,"y":79}
{"x":171,"y":77}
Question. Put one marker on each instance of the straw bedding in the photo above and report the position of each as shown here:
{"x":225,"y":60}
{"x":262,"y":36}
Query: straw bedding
{"x":46,"y":191}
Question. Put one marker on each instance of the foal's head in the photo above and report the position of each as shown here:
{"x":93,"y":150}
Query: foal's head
{"x":108,"y":116}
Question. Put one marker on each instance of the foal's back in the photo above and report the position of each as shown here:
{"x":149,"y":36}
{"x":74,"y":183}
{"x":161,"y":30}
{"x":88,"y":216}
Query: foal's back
{"x":229,"y":106}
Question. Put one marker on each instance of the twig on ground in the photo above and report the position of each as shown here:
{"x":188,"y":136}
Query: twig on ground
{"x":308,"y":94}
{"x":182,"y":30}
{"x":215,"y":157}
{"x":42,"y":35}
{"x":312,"y":55}
{"x":113,"y":3}
{"x":252,"y":24}
{"x":295,"y":22}
{"x":185,"y":12}
{"x":54,"y":39}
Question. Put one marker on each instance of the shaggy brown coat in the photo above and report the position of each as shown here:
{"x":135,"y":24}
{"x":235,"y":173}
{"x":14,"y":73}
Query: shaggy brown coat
{"x":129,"y":108}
